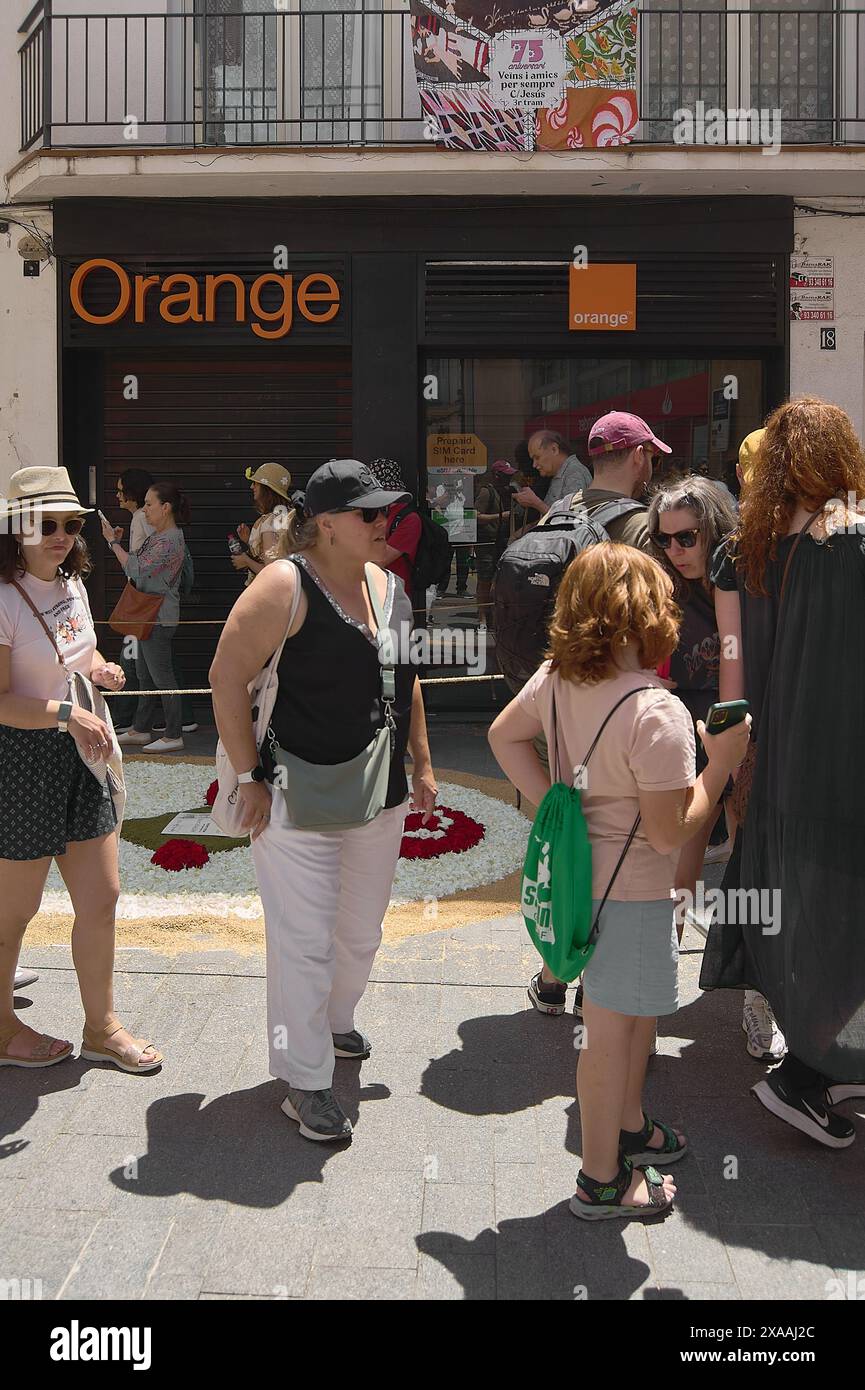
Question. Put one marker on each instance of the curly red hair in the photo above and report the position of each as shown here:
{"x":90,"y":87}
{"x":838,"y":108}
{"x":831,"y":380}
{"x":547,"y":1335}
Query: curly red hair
{"x":808,"y":455}
{"x":611,"y":594}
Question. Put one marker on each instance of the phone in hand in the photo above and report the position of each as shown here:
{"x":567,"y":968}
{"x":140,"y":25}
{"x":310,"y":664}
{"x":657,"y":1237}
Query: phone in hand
{"x":724,"y":714}
{"x":102,"y":516}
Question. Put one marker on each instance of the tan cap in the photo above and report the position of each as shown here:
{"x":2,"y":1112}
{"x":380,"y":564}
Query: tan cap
{"x":748,"y":451}
{"x":41,"y":489}
{"x":274,"y":476}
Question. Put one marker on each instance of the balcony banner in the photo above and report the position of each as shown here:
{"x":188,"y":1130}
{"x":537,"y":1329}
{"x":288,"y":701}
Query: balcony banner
{"x":511,"y":75}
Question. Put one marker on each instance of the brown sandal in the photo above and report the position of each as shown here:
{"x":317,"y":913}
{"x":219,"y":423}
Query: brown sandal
{"x":41,"y":1056}
{"x":94,"y":1049}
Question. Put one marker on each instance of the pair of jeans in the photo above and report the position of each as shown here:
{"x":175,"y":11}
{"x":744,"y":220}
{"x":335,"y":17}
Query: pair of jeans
{"x":156,"y":672}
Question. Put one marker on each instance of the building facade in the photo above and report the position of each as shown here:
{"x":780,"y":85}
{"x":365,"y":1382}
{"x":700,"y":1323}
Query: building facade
{"x":239,"y":246}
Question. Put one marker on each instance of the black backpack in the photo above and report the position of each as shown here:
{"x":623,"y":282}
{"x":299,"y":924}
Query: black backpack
{"x":432,"y":563}
{"x":528,"y":577}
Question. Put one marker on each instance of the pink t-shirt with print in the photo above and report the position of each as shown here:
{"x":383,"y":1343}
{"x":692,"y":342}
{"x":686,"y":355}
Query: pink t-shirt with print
{"x":648,"y":744}
{"x":63,"y":603}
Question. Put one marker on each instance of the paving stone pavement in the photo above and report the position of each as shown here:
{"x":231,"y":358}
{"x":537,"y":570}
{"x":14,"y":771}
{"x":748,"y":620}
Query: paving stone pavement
{"x":190,"y":1183}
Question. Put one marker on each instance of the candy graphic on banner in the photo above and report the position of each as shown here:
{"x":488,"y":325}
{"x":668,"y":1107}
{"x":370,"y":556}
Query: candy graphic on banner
{"x":506,"y":75}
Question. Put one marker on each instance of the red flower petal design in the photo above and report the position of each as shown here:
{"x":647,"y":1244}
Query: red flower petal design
{"x":210,"y":794}
{"x":463,"y":834}
{"x":175,"y":855}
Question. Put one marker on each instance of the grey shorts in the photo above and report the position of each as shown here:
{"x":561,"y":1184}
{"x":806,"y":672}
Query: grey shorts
{"x":635,"y":964}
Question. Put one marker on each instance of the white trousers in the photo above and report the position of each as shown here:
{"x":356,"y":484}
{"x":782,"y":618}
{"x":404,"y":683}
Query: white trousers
{"x":324,"y":897}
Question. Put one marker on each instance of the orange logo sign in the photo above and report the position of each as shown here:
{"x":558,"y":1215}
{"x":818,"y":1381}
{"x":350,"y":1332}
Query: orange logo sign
{"x":182,"y":300}
{"x":602,"y":299}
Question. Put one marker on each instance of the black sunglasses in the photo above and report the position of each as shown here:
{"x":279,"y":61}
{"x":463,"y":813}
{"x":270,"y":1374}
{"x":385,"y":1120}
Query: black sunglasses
{"x":72,"y":527}
{"x":369,"y":514}
{"x":686,"y":539}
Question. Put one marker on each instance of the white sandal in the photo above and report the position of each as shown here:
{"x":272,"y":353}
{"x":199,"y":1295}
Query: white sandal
{"x":131,"y":1058}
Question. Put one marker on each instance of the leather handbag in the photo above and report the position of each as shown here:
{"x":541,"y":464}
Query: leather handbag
{"x":741,"y":793}
{"x":135,"y":614}
{"x":343,"y":796}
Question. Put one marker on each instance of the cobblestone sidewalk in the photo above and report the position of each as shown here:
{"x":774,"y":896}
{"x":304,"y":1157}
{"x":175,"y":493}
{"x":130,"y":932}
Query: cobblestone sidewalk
{"x":191,"y":1184}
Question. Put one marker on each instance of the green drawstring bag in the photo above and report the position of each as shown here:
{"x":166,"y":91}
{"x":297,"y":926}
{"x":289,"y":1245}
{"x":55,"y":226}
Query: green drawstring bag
{"x":556,"y":898}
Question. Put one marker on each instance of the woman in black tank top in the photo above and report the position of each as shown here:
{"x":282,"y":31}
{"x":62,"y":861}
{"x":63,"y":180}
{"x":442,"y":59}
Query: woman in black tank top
{"x":328,"y":705}
{"x":324,"y":893}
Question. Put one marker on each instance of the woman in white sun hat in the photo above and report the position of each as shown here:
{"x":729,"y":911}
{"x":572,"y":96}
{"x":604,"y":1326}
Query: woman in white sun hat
{"x":271,"y":495}
{"x":61,"y":783}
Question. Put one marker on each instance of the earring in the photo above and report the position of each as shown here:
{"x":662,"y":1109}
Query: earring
{"x":332,"y":538}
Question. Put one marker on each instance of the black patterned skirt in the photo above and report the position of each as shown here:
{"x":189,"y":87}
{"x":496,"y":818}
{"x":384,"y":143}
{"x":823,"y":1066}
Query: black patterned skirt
{"x":48,"y":797}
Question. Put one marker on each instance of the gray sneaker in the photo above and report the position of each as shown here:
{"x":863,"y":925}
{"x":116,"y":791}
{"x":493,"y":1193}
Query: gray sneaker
{"x":318,"y":1114}
{"x":354,"y":1045}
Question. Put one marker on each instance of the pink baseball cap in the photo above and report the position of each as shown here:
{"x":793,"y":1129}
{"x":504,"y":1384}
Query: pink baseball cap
{"x":502,"y":466}
{"x":619,"y":430}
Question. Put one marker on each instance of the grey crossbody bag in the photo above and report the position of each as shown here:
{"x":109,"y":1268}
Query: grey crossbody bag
{"x":343,"y":796}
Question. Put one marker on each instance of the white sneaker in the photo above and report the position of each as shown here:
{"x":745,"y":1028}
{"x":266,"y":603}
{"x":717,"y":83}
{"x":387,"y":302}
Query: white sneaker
{"x":187,"y":728}
{"x":132,"y":737}
{"x":766,"y":1042}
{"x":165,"y":745}
{"x":23,"y":978}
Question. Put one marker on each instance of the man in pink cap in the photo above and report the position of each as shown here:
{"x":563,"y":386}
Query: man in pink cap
{"x":622,"y":448}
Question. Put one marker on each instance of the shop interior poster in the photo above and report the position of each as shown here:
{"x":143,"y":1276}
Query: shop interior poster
{"x":507,"y":75}
{"x":451,"y":497}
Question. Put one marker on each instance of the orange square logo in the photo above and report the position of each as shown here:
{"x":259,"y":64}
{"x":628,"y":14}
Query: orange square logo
{"x":602,"y":299}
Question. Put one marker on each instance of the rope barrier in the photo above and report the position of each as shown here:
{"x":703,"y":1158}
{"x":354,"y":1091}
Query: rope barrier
{"x":428,"y":680}
{"x":220,"y":622}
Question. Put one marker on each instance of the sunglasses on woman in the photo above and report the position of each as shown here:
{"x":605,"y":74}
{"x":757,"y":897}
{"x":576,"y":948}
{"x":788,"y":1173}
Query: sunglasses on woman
{"x":369,"y":514}
{"x":686,"y":539}
{"x":72,"y":527}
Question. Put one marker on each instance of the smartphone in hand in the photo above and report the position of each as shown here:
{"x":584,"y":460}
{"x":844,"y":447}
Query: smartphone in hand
{"x":724,"y":714}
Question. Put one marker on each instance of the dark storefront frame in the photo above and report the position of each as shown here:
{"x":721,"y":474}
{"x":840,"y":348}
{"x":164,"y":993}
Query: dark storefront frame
{"x":445,"y":277}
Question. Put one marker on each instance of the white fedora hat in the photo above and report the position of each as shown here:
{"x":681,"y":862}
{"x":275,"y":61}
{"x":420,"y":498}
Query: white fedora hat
{"x":42,"y":490}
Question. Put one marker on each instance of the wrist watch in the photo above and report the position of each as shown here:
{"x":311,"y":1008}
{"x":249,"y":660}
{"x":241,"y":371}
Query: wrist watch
{"x":63,"y":715}
{"x":256,"y":775}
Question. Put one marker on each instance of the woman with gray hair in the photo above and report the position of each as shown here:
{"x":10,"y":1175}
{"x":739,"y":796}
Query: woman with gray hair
{"x":687,"y":520}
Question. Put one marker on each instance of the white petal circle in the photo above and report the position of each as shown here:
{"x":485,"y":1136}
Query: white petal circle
{"x":226,"y":884}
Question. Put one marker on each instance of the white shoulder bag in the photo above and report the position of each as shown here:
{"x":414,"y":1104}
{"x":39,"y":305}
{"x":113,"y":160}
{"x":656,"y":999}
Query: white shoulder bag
{"x":227,"y":809}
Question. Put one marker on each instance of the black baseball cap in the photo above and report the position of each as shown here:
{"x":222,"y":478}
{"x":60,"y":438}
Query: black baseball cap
{"x":345,"y":483}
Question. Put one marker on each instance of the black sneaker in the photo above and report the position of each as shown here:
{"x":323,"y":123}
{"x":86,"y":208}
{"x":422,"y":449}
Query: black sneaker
{"x":352,"y":1045}
{"x":319,"y":1115}
{"x":578,"y":1001}
{"x":804,"y":1110}
{"x":546,"y":998}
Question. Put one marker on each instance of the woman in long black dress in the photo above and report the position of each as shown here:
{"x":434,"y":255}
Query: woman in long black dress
{"x":802,"y":844}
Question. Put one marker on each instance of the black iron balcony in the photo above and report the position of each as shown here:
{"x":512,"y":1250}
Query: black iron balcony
{"x":303,"y":74}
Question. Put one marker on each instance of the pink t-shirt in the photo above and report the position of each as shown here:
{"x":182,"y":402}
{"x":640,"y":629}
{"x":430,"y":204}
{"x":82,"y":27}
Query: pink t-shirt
{"x":648,"y":744}
{"x":35,"y":670}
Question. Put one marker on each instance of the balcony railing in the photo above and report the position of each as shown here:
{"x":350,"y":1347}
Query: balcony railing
{"x":316,"y":76}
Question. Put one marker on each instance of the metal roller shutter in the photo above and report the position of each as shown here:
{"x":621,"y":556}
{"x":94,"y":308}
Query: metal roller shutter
{"x":714,"y":302}
{"x":200,"y":422}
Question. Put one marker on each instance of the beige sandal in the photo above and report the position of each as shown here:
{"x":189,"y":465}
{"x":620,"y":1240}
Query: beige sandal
{"x":41,"y":1056}
{"x":94,"y":1049}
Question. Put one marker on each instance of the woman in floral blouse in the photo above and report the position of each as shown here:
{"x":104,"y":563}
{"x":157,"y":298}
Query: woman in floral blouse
{"x":157,"y":568}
